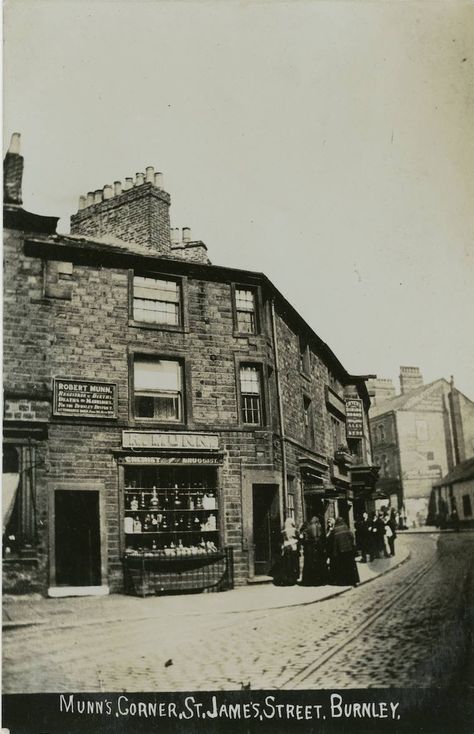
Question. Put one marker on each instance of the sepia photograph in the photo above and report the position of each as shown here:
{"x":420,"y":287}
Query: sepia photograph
{"x":238,"y":366}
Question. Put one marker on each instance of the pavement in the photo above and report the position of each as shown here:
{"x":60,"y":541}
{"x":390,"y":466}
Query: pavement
{"x":25,"y":611}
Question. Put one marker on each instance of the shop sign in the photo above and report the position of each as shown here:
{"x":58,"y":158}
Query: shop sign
{"x":176,"y":441}
{"x":154,"y":460}
{"x":84,"y":398}
{"x":354,"y":418}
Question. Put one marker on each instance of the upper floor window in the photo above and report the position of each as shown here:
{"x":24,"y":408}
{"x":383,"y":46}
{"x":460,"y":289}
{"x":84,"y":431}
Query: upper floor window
{"x":305,"y":359}
{"x":245,"y":311}
{"x":308,"y":419}
{"x":380,"y":434}
{"x":156,"y":301}
{"x":158,"y":391}
{"x":251,"y":394}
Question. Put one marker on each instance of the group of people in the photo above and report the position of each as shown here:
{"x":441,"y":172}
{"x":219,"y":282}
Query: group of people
{"x":328,"y":555}
{"x":376,"y":534}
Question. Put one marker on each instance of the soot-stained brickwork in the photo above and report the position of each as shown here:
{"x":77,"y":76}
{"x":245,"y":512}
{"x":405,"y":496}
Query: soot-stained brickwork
{"x":68,"y":314}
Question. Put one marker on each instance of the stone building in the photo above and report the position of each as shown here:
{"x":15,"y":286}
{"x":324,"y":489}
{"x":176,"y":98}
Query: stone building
{"x":418,"y":437}
{"x":157,"y":406}
{"x":455,"y":492}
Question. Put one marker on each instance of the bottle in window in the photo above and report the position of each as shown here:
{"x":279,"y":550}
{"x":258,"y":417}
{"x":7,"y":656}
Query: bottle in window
{"x":175,"y":524}
{"x":191,"y":502}
{"x":196,"y":523}
{"x":128,"y":524}
{"x":142,"y":499}
{"x":137,"y":526}
{"x":154,"y":522}
{"x":153,"y":545}
{"x":177,"y":500}
{"x":154,"y":499}
{"x":134,"y":504}
{"x":164,"y":524}
{"x":147,"y":523}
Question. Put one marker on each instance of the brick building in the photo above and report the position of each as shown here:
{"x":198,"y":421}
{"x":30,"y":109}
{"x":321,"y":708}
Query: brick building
{"x":418,"y":437}
{"x":158,"y":405}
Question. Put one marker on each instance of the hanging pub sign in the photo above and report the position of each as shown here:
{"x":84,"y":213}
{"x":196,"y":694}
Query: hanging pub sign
{"x":84,"y":398}
{"x":354,"y":418}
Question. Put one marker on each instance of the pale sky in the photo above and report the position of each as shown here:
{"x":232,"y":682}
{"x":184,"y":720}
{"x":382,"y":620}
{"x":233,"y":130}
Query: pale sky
{"x":327,"y":144}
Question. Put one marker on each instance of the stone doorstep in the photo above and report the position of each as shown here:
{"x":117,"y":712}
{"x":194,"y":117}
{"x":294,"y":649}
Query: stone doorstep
{"x":71,"y":620}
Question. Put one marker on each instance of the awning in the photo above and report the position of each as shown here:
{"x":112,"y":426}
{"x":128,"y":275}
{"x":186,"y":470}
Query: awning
{"x":10,"y":484}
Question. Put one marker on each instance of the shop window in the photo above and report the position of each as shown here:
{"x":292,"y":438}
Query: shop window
{"x":158,"y":391}
{"x":251,"y":394}
{"x":466,"y":505}
{"x":245,"y":311}
{"x":18,"y":498}
{"x":156,"y":301}
{"x":171,"y":511}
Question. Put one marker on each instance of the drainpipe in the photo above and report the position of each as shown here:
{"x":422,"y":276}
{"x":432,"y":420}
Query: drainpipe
{"x":283,"y":502}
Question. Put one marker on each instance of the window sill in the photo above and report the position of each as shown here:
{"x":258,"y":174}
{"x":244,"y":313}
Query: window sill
{"x":153,"y":423}
{"x":30,"y":558}
{"x":156,"y":327}
{"x":245,"y":334}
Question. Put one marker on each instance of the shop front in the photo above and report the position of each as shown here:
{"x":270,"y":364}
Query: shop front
{"x":172,"y":524}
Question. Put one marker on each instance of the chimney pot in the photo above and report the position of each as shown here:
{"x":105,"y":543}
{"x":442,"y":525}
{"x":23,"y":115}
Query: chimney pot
{"x":149,"y":174}
{"x":159,"y":180}
{"x":117,"y":188}
{"x":107,"y":192}
{"x":174,"y":234}
{"x":15,"y":143}
{"x":139,"y":179}
{"x":186,"y":234}
{"x":82,"y":202}
{"x":90,"y":198}
{"x":128,"y":183}
{"x":97,"y":196}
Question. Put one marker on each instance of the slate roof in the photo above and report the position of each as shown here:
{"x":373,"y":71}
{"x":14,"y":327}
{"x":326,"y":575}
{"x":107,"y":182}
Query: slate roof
{"x":461,"y":473}
{"x":400,"y":402}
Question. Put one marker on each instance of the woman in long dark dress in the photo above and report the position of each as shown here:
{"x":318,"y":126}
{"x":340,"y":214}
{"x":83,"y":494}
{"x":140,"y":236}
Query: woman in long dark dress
{"x":343,"y":566}
{"x":314,"y":567}
{"x":287,"y":568}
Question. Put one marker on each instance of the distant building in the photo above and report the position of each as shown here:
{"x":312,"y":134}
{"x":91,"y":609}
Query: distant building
{"x":418,"y":437}
{"x":455,"y":491}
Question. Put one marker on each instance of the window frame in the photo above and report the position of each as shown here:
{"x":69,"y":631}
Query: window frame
{"x":258,"y":309}
{"x":308,"y":419}
{"x":26,"y":497}
{"x":264,"y":413}
{"x":180,"y":280}
{"x":152,"y":356}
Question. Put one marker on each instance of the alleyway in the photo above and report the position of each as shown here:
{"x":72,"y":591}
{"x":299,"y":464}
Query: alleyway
{"x":406,"y":628}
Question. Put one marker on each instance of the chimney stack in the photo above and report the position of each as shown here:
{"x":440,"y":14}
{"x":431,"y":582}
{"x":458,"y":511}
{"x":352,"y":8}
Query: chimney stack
{"x":410,"y":379}
{"x":13,"y":172}
{"x":136,"y":211}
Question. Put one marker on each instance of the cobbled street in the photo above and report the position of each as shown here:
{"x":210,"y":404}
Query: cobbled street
{"x":409,"y":627}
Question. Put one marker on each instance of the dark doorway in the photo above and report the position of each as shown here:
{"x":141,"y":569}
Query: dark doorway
{"x":77,"y":538}
{"x":266,"y":527}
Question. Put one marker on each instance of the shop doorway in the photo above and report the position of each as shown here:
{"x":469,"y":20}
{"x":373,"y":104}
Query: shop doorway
{"x":77,"y":538}
{"x":266,"y":527}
